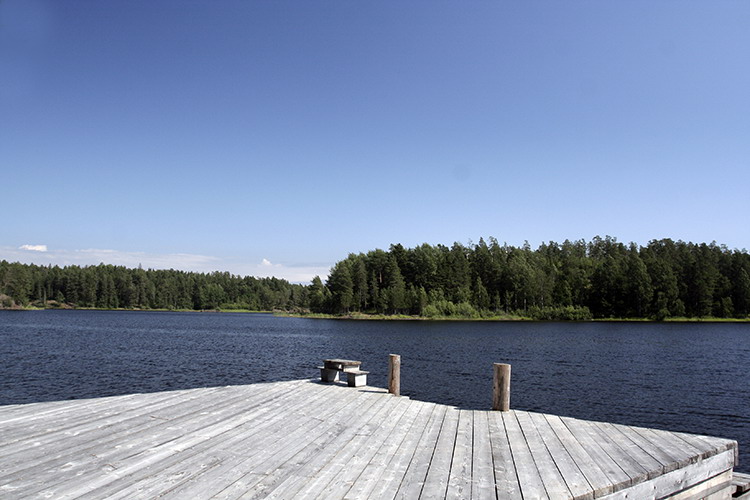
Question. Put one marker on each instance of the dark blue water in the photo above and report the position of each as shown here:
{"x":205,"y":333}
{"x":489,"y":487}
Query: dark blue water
{"x":688,"y":377}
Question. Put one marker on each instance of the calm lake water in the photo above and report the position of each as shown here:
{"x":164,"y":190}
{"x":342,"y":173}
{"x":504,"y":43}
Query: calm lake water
{"x":687,"y":377}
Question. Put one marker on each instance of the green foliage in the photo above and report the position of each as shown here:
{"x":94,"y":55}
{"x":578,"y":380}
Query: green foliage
{"x":572,"y":281}
{"x":561,"y":313}
{"x":110,"y":287}
{"x":341,"y":287}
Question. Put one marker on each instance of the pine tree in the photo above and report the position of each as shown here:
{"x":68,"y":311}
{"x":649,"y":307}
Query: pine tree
{"x":342,"y":288}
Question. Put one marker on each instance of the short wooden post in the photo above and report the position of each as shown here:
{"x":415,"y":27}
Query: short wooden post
{"x":501,"y":387}
{"x":394,"y":374}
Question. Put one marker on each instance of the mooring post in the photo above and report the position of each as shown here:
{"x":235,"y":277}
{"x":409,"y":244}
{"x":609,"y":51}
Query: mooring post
{"x":501,"y":387}
{"x":394,"y":374}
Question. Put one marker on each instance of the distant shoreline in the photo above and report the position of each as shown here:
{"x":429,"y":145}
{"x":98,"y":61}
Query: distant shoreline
{"x":509,"y":318}
{"x":396,"y":317}
{"x":121,"y":309}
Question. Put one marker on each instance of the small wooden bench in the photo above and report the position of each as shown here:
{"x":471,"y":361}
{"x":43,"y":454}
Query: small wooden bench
{"x":332,"y":368}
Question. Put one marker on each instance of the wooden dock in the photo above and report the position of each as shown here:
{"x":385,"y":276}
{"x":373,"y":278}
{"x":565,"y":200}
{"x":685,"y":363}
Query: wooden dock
{"x":305,"y":439}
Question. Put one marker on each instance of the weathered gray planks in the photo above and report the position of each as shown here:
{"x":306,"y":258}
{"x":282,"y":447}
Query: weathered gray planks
{"x":438,"y":472}
{"x":416,"y":473}
{"x":482,"y":469}
{"x":507,"y":484}
{"x":529,"y":476}
{"x":302,"y":439}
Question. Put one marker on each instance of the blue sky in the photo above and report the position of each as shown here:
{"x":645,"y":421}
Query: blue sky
{"x":275,"y":137}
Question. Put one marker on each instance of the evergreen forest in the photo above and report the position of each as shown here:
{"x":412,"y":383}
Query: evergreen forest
{"x":117,"y":287}
{"x":573,"y":280}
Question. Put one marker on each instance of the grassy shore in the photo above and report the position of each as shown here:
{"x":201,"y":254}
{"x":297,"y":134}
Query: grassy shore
{"x":397,"y":317}
{"x":503,"y":317}
{"x":133,"y":309}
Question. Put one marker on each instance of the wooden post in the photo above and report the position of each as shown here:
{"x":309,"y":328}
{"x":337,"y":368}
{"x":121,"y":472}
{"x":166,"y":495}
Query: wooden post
{"x":394,"y":374}
{"x":501,"y":387}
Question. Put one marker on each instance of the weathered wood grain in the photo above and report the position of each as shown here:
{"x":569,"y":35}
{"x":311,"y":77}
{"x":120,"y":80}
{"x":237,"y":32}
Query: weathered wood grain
{"x":601,"y":473}
{"x":459,"y":479}
{"x":637,"y":463}
{"x":680,"y":480}
{"x":506,"y":477}
{"x":175,"y":474}
{"x":395,"y":473}
{"x":529,"y":477}
{"x":416,"y":473}
{"x":482,"y":468}
{"x":553,"y":480}
{"x":574,"y":478}
{"x":438,"y":473}
{"x":378,"y":464}
{"x":75,"y":455}
{"x":297,"y":475}
{"x":304,"y":439}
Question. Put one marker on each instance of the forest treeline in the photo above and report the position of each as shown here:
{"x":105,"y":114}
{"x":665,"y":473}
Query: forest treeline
{"x":602,"y":278}
{"x":117,"y":287}
{"x":573,"y":280}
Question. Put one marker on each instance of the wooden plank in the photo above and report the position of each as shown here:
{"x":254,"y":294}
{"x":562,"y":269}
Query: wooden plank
{"x":352,"y":468}
{"x":299,"y":439}
{"x":438,"y":474}
{"x":710,"y":445}
{"x":341,"y":364}
{"x":313,"y":459}
{"x":351,"y":459}
{"x":704,"y":444}
{"x":459,"y":479}
{"x":78,"y":421}
{"x":680,"y":450}
{"x":179,"y":468}
{"x":64,"y":448}
{"x":506,"y":478}
{"x":718,"y":487}
{"x":677,"y":480}
{"x":332,"y":460}
{"x":371,"y":475}
{"x":669,"y":459}
{"x":110,"y":465}
{"x":416,"y":473}
{"x":38,"y":426}
{"x":27,"y":413}
{"x":553,"y":481}
{"x":482,"y":468}
{"x":634,"y":460}
{"x":239,"y":450}
{"x":105,"y":445}
{"x":200,"y":459}
{"x":274,"y":433}
{"x":594,"y":471}
{"x":574,"y":478}
{"x":278,"y":460}
{"x":396,"y":472}
{"x":529,"y":477}
{"x":150,"y":448}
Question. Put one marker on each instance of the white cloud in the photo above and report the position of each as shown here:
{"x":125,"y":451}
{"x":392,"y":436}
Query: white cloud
{"x":183,"y":261}
{"x":34,"y":248}
{"x":295,"y":273}
{"x":94,"y":256}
